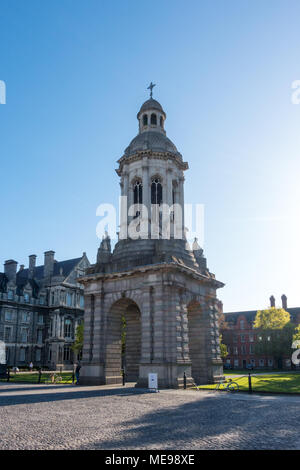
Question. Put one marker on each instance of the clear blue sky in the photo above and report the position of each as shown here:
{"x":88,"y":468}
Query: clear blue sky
{"x":76,"y":74}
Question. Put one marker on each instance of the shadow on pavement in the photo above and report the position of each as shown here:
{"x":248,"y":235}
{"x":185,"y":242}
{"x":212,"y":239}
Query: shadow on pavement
{"x":67,"y":395}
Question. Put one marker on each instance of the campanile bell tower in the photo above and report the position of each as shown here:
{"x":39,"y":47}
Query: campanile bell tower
{"x":151,"y":286}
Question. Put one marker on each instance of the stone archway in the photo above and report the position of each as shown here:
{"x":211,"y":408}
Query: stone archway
{"x":123,"y":327}
{"x":197,"y":331}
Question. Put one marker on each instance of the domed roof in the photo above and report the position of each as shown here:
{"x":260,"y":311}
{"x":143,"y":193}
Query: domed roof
{"x":151,"y":140}
{"x":149,"y":105}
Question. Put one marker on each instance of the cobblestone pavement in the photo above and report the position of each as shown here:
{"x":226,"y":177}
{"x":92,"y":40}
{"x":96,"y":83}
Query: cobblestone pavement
{"x":69,"y":417}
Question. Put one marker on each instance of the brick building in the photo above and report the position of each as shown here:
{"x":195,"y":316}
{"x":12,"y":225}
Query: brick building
{"x":240,"y":338}
{"x":40,"y":308}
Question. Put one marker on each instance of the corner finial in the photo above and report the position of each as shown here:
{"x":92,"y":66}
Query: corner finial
{"x":150,"y":87}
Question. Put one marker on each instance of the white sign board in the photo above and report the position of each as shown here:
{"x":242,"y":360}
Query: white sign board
{"x":152,"y":381}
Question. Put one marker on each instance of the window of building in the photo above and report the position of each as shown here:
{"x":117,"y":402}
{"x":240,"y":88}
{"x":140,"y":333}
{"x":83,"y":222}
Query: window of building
{"x":38,"y":355}
{"x":270,"y":362}
{"x":243,"y":338}
{"x":253,"y":362}
{"x":25,"y":317}
{"x":235,"y":350}
{"x":145,"y":120}
{"x":8,"y":315}
{"x":243,"y":349}
{"x":26,"y":297}
{"x":10,"y":294}
{"x":82,"y":301}
{"x":7,"y":334}
{"x":69,"y":299}
{"x":22,"y":354}
{"x":68,"y":328}
{"x":153,"y":119}
{"x":251,"y":348}
{"x":24,"y":335}
{"x":42,"y":300}
{"x":156,"y":191}
{"x":161,"y":121}
{"x":242,"y":324}
{"x":251,"y":338}
{"x":261,"y":362}
{"x":40,"y":336}
{"x":236,"y":363}
{"x":138,"y":192}
{"x":67,"y":353}
{"x":40,"y":319}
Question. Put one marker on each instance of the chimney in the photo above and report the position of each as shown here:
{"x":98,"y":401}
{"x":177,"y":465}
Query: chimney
{"x":21,"y":267}
{"x":272,"y":301}
{"x":49,"y":263}
{"x":32,"y":262}
{"x":284,"y":301}
{"x":10,"y":269}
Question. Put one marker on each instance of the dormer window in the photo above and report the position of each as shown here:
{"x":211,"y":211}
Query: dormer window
{"x":153,"y":119}
{"x":26,"y":297}
{"x":145,"y":120}
{"x":161,"y":121}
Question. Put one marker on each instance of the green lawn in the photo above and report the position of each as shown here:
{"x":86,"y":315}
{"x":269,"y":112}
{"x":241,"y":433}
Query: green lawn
{"x":275,"y":382}
{"x":33,"y":377}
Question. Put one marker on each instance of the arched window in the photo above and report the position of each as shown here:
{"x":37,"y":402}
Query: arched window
{"x":138,"y":192}
{"x":161,"y":121}
{"x":145,"y":120}
{"x":153,"y":119}
{"x":156,"y":191}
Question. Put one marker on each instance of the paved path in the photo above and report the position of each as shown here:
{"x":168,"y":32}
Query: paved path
{"x":69,"y":417}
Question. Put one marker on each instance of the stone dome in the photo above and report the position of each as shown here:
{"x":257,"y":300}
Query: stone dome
{"x":151,"y":140}
{"x":149,"y":105}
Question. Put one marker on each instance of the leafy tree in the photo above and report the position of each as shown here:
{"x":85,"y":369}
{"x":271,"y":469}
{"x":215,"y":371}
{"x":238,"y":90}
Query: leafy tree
{"x":296,"y":335}
{"x":274,"y":333}
{"x":78,"y":343}
{"x":223,"y":347}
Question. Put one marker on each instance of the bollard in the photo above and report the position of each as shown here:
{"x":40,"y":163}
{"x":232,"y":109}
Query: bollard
{"x":249,"y":382}
{"x":184,"y":381}
{"x":8,"y":374}
{"x":123,"y":377}
{"x":40,"y":376}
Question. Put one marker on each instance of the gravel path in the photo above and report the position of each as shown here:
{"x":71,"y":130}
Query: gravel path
{"x":68,"y":417}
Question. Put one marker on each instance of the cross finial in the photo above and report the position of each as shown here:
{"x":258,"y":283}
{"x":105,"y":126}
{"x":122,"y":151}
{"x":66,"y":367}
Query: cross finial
{"x":150,"y":87}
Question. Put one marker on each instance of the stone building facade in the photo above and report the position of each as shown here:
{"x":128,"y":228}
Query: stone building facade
{"x":240,"y":338}
{"x":152,"y":289}
{"x":40,"y":308}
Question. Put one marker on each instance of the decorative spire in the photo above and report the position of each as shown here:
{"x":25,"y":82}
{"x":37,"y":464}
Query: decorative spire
{"x":150,"y":87}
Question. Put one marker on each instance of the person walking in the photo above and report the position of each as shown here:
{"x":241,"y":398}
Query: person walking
{"x":77,"y":372}
{"x":30,"y":367}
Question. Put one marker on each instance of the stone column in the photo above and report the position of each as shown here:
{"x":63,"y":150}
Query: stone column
{"x":169,"y":195}
{"x":147,"y":326}
{"x":89,"y":306}
{"x":124,"y":206}
{"x":146,"y":194}
{"x":95,"y":329}
{"x":181,"y":200}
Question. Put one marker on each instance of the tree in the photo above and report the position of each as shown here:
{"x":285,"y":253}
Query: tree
{"x":274,"y":333}
{"x":78,"y":343}
{"x":223,"y":347}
